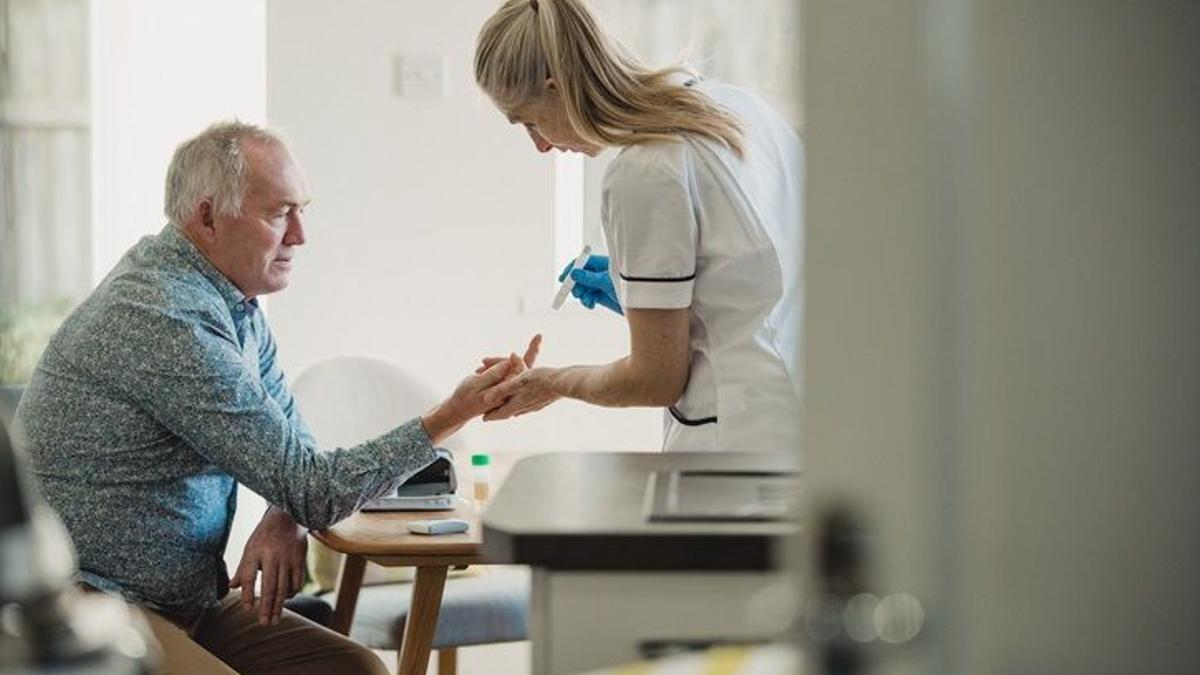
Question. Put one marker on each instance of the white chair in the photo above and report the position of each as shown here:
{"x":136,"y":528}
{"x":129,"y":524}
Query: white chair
{"x":351,"y":399}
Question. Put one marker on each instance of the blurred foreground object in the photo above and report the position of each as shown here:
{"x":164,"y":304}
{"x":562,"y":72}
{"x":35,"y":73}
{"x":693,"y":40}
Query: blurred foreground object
{"x":773,"y":659}
{"x":46,"y":625}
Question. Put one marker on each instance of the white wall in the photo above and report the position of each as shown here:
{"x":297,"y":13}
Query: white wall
{"x":430,"y":240}
{"x":162,"y":70}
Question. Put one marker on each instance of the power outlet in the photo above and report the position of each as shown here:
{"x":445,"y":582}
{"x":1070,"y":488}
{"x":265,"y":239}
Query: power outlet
{"x":419,"y":75}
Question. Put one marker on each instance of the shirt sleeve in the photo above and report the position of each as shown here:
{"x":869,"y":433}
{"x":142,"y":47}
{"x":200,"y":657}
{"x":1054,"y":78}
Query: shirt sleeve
{"x":650,"y":223}
{"x":185,"y":367}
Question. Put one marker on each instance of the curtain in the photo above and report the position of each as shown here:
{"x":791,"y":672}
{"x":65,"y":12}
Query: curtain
{"x":45,"y":173}
{"x":751,"y":43}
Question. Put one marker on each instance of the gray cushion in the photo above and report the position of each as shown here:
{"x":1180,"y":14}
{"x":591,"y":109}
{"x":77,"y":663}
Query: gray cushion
{"x":491,"y":605}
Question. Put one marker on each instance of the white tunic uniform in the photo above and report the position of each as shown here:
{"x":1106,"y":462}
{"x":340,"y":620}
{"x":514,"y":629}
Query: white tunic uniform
{"x":689,"y":224}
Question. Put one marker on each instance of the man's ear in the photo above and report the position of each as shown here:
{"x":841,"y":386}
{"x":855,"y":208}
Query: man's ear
{"x":205,"y":220}
{"x":206,"y":213}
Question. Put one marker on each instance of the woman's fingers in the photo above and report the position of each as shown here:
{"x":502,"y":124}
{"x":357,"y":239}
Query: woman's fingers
{"x":510,"y":398}
{"x":533,"y":408}
{"x":489,"y":362}
{"x":530,"y":357}
{"x":502,"y":413}
{"x":531,"y":352}
{"x":496,"y":372}
{"x":501,"y":392}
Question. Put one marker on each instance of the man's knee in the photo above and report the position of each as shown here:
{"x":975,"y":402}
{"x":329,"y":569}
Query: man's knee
{"x":360,"y":659}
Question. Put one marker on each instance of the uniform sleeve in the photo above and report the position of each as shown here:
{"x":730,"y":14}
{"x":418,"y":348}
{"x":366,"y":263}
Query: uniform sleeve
{"x":186,"y":370}
{"x":650,"y":223}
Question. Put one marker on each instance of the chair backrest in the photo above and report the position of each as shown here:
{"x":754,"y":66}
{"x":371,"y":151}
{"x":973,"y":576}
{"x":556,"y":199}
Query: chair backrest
{"x":347,"y":400}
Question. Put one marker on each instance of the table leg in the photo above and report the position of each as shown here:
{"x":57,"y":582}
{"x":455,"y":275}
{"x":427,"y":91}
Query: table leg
{"x":422,"y":619}
{"x":349,"y":583}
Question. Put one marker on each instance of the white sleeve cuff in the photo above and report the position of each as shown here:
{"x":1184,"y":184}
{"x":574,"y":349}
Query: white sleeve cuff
{"x":657,"y":294}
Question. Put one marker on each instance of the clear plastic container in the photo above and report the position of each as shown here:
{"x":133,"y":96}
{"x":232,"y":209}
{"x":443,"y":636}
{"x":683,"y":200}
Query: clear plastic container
{"x":481,"y":479}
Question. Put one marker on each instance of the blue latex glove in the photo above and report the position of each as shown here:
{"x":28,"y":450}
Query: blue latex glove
{"x":593,"y":285}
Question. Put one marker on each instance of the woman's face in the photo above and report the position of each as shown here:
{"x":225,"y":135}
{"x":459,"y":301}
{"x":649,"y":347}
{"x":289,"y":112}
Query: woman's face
{"x":545,"y":120}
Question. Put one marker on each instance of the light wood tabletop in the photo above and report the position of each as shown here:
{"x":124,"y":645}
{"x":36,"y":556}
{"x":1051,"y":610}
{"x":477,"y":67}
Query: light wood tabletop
{"x":384,"y":534}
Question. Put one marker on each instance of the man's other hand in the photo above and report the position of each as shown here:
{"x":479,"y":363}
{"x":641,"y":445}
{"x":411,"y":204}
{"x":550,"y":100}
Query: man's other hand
{"x":276,"y":548}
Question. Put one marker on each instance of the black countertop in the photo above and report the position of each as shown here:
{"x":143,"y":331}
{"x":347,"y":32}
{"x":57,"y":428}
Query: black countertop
{"x":587,"y":511}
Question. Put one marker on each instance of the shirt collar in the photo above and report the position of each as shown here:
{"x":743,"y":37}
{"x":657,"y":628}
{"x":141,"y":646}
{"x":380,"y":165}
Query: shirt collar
{"x":176,"y":240}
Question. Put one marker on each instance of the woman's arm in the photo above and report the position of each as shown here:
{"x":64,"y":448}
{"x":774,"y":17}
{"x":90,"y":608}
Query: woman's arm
{"x":653,"y":374}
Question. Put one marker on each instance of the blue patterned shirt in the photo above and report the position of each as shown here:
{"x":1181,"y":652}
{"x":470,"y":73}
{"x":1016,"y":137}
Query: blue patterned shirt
{"x":153,"y":400}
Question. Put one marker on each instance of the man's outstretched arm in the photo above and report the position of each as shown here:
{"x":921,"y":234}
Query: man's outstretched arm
{"x":188,"y":371}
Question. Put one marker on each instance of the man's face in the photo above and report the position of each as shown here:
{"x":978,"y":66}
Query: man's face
{"x":255,"y":249}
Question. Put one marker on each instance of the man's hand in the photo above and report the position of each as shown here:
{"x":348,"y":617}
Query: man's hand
{"x":501,"y":406}
{"x":527,"y":361}
{"x":467,"y":401}
{"x":276,"y":547}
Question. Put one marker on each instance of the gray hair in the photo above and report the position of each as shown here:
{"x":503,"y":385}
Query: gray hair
{"x":212,"y":166}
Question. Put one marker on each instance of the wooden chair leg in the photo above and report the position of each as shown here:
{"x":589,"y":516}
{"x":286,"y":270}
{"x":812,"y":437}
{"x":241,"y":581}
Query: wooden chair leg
{"x":349,"y":583}
{"x":448,"y":661}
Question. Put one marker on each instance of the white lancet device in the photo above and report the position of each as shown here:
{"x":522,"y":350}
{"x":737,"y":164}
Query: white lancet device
{"x":568,"y":283}
{"x":444,"y":526}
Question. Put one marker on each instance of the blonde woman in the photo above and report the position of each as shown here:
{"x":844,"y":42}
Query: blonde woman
{"x":702,"y":214}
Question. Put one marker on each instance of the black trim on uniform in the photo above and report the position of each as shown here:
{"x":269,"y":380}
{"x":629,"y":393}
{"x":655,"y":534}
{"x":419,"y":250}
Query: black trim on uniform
{"x":664,"y":280}
{"x":691,"y":423}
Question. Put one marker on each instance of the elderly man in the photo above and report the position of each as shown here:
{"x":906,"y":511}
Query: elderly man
{"x":161,"y":393}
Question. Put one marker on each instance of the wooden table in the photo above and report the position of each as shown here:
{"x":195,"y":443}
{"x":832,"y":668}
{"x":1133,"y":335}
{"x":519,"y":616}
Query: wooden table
{"x":382,"y":538}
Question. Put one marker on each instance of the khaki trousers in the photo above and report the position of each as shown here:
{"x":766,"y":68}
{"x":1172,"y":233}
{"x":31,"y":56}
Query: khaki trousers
{"x":228,"y":639}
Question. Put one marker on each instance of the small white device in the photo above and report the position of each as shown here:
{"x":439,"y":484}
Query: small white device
{"x":445,"y":526}
{"x":568,"y":283}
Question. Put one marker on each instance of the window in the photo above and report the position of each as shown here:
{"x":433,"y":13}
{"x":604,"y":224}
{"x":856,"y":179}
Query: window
{"x":752,"y":43}
{"x":45,"y":249}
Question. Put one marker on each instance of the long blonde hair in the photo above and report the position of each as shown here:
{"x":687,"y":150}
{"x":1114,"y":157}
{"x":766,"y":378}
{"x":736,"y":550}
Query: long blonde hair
{"x":610,"y":97}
